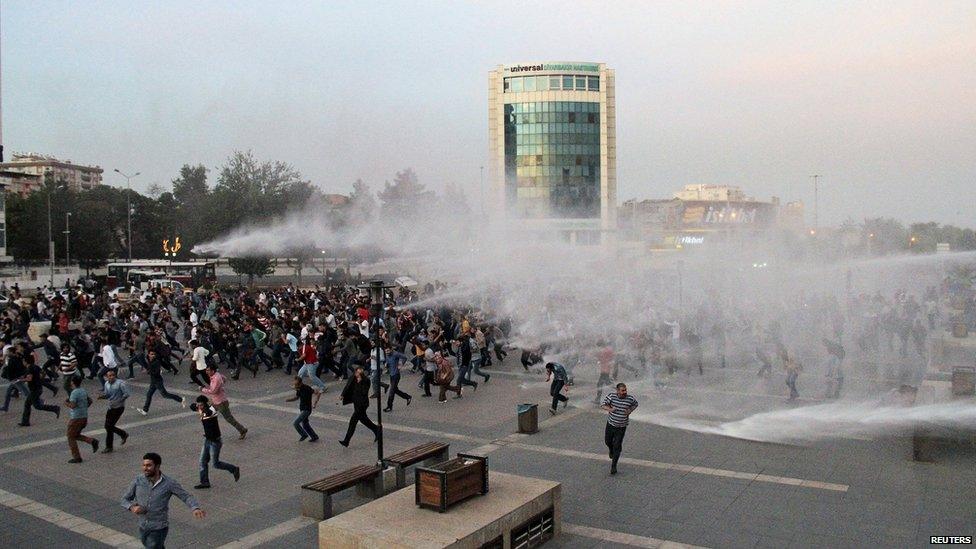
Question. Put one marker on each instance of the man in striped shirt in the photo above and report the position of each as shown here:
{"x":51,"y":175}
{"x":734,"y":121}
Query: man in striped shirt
{"x":620,"y":405}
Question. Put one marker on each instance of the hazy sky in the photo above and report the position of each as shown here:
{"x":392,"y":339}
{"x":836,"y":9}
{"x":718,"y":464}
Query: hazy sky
{"x":879,"y":97}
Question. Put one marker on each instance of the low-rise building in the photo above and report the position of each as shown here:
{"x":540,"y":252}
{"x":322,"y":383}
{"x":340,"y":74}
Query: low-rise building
{"x":687,"y":220}
{"x":20,"y":183}
{"x":48,"y":169}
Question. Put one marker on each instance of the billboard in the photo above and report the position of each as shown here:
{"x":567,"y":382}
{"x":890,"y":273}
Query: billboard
{"x":703,"y":214}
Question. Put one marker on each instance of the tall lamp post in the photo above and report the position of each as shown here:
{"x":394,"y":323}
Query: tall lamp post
{"x":128,"y":208}
{"x":67,"y":241}
{"x":50,"y":235}
{"x":376,"y":289}
{"x":816,"y":200}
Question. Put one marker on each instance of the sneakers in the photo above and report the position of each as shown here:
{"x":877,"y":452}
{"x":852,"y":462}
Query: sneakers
{"x":143,"y":412}
{"x":613,"y":469}
{"x":243,"y":434}
{"x":302,"y":438}
{"x":387,"y":410}
{"x":202,"y":487}
{"x":408,"y":401}
{"x":125,"y":437}
{"x":487,"y":378}
{"x":94,"y":445}
{"x":552,"y":411}
{"x":237,"y":474}
{"x":75,"y":460}
{"x":313,"y":439}
{"x":57,"y":412}
{"x":183,"y":402}
{"x":344,"y":443}
{"x":107,"y":451}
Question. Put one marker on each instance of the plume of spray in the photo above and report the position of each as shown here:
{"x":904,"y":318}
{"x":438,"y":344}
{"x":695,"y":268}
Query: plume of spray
{"x":569,"y":300}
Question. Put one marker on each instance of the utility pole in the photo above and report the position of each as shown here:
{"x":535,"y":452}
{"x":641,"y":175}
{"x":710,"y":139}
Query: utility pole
{"x":816,"y":202}
{"x":67,"y":236}
{"x":50,"y":239}
{"x":128,"y":208}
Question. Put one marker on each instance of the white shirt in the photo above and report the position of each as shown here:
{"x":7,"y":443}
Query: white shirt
{"x":194,"y":318}
{"x":200,"y":357}
{"x":108,"y":357}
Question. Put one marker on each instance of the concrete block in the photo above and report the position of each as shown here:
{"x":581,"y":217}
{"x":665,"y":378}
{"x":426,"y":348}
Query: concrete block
{"x":396,"y":522}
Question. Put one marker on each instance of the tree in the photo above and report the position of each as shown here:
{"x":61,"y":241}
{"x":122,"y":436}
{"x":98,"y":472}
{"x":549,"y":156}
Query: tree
{"x":884,"y":235}
{"x":191,"y":185}
{"x":252,"y":267}
{"x":249,"y":191}
{"x":455,"y":201}
{"x":405,"y":197}
{"x":363,"y":201}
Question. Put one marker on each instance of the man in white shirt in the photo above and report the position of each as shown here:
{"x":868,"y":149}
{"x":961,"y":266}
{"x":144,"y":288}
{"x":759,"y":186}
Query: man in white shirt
{"x":198,"y":364}
{"x":110,"y":361}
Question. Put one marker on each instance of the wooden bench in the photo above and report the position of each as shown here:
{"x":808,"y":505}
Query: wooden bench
{"x":317,"y":496}
{"x":427,"y":454}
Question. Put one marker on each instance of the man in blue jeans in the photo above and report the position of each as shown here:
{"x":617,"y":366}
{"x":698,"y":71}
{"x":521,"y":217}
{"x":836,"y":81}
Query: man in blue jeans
{"x":307,"y":399}
{"x":148,"y":497}
{"x":211,"y":444}
{"x":557,"y":373}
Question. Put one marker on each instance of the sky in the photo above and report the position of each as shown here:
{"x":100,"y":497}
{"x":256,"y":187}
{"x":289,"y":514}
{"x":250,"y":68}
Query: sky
{"x":877,"y":97}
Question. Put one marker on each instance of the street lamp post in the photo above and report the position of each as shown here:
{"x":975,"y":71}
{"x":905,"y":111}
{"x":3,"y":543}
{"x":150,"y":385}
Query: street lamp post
{"x":67,"y":236}
{"x":128,"y":208}
{"x":50,"y":241}
{"x":816,"y":201}
{"x":50,"y":235}
{"x":324,"y":278}
{"x":376,"y":289}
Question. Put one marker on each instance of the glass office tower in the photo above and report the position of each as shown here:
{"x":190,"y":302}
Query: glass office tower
{"x":553,"y":148}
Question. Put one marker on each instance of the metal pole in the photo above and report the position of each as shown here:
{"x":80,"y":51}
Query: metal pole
{"x":377,"y":313}
{"x":67,"y":242}
{"x":816,"y":202}
{"x":50,"y":240}
{"x":128,"y":208}
{"x":482,"y":193}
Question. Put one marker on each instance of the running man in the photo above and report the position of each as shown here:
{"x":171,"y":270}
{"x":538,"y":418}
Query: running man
{"x":620,"y":405}
{"x":115,"y":391}
{"x":78,"y":402}
{"x":156,"y":384}
{"x":212,"y":444}
{"x":307,"y":399}
{"x":557,"y":373}
{"x":148,"y":497}
{"x":215,"y":390}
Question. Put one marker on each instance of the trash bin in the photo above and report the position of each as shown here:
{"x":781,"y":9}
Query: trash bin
{"x":963,"y":381}
{"x":528,"y":418}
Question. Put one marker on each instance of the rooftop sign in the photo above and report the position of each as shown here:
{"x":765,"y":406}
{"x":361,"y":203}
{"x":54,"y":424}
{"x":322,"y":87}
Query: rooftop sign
{"x":537,"y":67}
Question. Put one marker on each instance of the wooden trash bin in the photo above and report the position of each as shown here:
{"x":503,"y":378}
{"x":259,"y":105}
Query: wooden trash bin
{"x":444,"y":484}
{"x":963,"y":381}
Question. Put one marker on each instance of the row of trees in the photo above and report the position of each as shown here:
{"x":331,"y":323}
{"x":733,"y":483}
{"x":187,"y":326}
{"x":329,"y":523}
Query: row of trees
{"x":246,"y":191}
{"x":249,"y":191}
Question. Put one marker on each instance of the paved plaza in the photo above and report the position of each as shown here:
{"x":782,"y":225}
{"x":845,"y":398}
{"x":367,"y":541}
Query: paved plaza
{"x":674,"y":486}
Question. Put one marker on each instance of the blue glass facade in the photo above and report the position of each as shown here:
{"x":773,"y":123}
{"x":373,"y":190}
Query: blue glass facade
{"x":552,"y":158}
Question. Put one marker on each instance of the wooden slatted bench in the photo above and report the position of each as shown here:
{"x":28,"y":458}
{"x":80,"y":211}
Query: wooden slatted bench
{"x":317,"y":496}
{"x":427,"y":454}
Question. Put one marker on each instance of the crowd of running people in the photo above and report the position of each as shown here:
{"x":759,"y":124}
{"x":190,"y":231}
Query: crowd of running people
{"x":313,"y":335}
